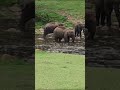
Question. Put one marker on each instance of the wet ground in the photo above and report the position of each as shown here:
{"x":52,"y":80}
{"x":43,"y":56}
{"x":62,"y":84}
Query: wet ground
{"x":49,"y":45}
{"x":105,"y":49}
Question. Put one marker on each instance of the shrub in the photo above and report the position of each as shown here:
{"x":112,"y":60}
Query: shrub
{"x":46,"y":16}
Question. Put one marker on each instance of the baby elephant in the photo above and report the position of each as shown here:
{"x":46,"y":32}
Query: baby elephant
{"x":78,"y":28}
{"x":90,"y":24}
{"x":69,"y":34}
{"x":59,"y":33}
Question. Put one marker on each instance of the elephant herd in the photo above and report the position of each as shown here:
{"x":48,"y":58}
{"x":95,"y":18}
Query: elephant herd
{"x":104,"y":10}
{"x":61,"y":32}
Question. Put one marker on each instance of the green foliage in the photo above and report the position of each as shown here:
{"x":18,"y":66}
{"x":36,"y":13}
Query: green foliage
{"x":49,"y":10}
{"x":45,"y":16}
{"x":68,"y":24}
{"x":59,"y":71}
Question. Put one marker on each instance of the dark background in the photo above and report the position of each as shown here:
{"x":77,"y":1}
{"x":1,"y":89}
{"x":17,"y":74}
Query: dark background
{"x":17,"y":66}
{"x":103,"y":54}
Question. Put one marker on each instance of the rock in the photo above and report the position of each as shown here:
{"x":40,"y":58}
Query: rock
{"x":13,"y":30}
{"x":7,"y":58}
{"x":41,"y":39}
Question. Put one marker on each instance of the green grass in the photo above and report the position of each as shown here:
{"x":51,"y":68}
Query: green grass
{"x":59,"y":71}
{"x":102,"y":78}
{"x":16,"y":74}
{"x":17,"y":77}
{"x":49,"y":11}
{"x":16,"y":61}
{"x":72,"y":7}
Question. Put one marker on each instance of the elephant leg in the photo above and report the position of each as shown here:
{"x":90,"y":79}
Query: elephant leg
{"x":59,"y":40}
{"x":56,"y":39}
{"x":73,"y":39}
{"x":97,"y":15}
{"x":102,"y":13}
{"x":68,"y":39}
{"x":117,"y":12}
{"x":103,"y":17}
{"x":45,"y":34}
{"x":80,"y":34}
{"x":99,"y":10}
{"x":108,"y":10}
{"x":75,"y":33}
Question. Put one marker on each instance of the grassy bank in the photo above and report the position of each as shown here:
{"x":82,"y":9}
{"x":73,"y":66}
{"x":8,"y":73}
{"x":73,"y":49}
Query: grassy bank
{"x":16,"y":74}
{"x":59,"y":71}
{"x":59,"y":10}
{"x":102,"y":78}
{"x":17,"y":77}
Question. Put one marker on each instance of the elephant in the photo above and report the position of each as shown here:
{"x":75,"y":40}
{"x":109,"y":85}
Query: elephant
{"x":111,"y":5}
{"x":23,"y":3}
{"x":85,"y":31}
{"x":100,"y":12}
{"x":59,"y":33}
{"x":28,"y":13}
{"x":69,"y":34}
{"x":78,"y":28}
{"x":90,"y":24}
{"x":49,"y":28}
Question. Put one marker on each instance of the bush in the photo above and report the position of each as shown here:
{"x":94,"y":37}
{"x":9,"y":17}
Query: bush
{"x":46,"y":16}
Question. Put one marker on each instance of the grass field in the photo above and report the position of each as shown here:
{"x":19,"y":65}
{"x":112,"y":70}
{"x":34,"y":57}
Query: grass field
{"x":58,"y":10}
{"x":17,"y":77}
{"x":59,"y":71}
{"x":16,"y":74}
{"x":102,"y":78}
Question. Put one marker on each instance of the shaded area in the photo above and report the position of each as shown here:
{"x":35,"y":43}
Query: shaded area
{"x":103,"y":56}
{"x":104,"y":50}
{"x":17,"y":77}
{"x":16,"y":49}
{"x":102,"y":78}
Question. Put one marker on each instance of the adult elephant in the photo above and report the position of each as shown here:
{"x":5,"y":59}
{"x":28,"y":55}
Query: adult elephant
{"x":59,"y":33}
{"x":23,"y":3}
{"x":90,"y":24}
{"x":49,"y":28}
{"x":111,"y":5}
{"x":100,"y":12}
{"x":28,"y":13}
